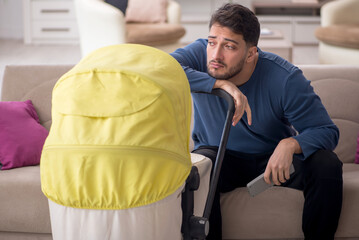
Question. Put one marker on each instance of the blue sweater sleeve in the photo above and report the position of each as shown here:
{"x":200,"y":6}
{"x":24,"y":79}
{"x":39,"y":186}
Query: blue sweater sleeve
{"x":305,"y":111}
{"x":193,"y":58}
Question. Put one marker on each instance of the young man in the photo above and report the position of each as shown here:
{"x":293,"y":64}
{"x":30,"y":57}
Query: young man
{"x":279,"y":120}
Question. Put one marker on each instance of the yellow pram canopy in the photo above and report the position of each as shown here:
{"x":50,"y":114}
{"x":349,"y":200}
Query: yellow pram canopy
{"x":120,"y":130}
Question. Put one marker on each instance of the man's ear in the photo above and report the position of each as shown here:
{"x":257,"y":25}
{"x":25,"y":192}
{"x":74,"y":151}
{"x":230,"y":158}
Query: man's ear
{"x":251,"y":56}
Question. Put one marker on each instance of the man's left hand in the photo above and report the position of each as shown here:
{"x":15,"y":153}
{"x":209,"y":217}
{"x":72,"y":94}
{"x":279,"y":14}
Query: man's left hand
{"x":280,"y":161}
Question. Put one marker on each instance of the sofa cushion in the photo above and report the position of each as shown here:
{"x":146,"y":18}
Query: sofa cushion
{"x":154,"y":34}
{"x":19,"y":80}
{"x":154,"y":11}
{"x":37,"y":96}
{"x":339,"y":35}
{"x":267,"y":208}
{"x":21,"y":135}
{"x":279,"y":211}
{"x":338,"y":95}
{"x":23,"y":208}
{"x":349,"y":218}
{"x":357,"y":153}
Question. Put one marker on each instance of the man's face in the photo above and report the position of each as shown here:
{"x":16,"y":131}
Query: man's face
{"x":226,"y":53}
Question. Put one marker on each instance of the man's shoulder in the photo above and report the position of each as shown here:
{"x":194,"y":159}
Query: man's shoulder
{"x":277,"y":73}
{"x":202,"y":41}
{"x":277,"y":64}
{"x":193,"y":53}
{"x":199,"y":44}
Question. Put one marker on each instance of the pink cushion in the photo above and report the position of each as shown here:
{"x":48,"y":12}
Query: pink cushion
{"x":146,"y":11}
{"x":357,"y":153}
{"x":21,"y":136}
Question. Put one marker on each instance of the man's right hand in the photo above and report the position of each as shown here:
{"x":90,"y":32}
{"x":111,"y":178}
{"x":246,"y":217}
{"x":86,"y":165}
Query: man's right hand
{"x":240,"y":100}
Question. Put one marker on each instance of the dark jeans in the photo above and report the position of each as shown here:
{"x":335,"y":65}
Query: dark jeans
{"x":319,"y":177}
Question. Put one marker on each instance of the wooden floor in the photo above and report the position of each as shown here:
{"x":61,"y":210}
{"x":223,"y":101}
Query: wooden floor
{"x":14,"y":52}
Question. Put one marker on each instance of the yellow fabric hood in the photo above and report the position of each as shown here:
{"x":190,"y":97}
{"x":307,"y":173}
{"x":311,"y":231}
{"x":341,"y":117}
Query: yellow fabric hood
{"x":120,"y":130}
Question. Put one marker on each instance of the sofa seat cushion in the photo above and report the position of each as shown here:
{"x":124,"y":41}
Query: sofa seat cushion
{"x":23,"y":207}
{"x":154,"y":34}
{"x":270,"y":208}
{"x":348,"y":222}
{"x":339,"y":35}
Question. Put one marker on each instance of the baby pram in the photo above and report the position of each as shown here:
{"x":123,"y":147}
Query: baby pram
{"x":117,"y":157}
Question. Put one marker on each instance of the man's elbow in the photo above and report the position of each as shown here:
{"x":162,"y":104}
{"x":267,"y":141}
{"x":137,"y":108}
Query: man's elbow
{"x":335,"y":136}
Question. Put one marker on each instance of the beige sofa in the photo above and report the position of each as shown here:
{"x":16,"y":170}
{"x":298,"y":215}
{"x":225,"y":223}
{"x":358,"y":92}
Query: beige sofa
{"x":274,"y":214}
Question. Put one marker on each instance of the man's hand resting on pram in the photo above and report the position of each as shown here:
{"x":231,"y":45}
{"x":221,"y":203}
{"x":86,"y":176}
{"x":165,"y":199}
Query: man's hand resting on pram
{"x":240,"y":100}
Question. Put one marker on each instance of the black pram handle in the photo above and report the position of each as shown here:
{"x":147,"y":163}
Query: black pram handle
{"x":194,"y":227}
{"x":221,"y":150}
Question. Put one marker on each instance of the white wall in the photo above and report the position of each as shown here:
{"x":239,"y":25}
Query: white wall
{"x":11,"y":19}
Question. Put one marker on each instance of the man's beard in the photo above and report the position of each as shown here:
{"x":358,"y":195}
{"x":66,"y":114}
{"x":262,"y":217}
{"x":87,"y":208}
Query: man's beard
{"x":233,"y":71}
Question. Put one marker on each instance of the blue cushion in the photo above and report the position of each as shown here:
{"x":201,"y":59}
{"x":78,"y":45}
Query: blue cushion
{"x":120,"y":4}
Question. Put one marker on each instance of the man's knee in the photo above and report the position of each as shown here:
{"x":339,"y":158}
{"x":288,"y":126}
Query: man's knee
{"x":324,"y":164}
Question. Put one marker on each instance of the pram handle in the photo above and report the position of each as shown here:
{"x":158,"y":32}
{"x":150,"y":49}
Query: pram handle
{"x":194,"y":227}
{"x":221,"y":150}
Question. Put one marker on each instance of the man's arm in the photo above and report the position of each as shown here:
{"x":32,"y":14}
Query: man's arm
{"x":304,"y":110}
{"x":193,"y":59}
{"x":240,"y":100}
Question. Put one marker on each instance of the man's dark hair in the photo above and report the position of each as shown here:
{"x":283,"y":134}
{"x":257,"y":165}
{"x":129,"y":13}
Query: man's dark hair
{"x":240,"y":20}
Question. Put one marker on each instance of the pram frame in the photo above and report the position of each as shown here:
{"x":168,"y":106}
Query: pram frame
{"x":194,"y":227}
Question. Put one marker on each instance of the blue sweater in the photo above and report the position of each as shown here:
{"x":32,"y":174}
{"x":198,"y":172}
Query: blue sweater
{"x":282,"y":101}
